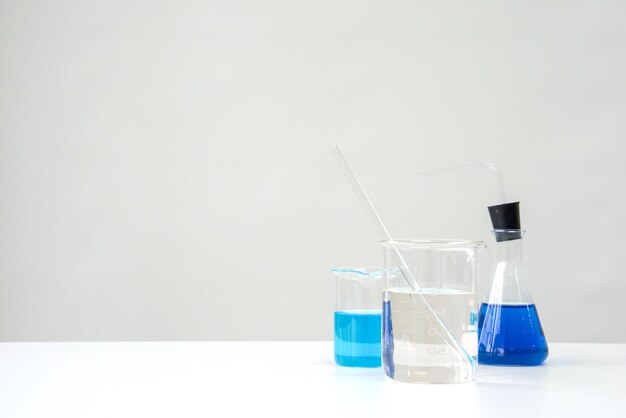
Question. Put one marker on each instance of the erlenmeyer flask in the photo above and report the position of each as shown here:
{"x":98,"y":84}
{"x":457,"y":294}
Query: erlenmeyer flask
{"x":509,"y":329}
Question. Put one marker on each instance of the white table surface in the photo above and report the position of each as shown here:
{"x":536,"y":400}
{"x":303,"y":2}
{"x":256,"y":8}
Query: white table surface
{"x":193,"y":379}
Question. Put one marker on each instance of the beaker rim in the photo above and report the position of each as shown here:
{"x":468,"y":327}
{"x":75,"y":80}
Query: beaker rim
{"x":430,"y":243}
{"x":358,"y":272}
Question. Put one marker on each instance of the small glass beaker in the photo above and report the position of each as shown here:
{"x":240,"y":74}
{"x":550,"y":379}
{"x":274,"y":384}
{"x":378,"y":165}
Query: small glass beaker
{"x":358,"y":317}
{"x":429,"y":310}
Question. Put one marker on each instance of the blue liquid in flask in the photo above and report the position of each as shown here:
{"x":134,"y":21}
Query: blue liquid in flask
{"x":357,"y":338}
{"x":510,"y":335}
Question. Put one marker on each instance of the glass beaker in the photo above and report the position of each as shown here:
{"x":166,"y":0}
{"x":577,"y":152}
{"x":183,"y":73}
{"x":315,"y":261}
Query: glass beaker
{"x":429,"y":327}
{"x":358,"y":317}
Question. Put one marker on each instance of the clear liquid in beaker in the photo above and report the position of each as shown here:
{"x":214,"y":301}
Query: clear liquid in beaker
{"x":413,"y":348}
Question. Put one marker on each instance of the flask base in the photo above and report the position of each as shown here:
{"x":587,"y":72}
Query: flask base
{"x":519,"y":358}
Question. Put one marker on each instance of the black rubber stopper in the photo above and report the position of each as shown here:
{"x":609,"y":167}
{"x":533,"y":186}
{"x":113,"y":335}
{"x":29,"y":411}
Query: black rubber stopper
{"x":506,"y":216}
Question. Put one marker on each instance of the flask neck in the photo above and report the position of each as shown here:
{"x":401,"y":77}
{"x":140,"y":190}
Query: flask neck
{"x":509,"y":251}
{"x":508,"y":283}
{"x":509,"y":245}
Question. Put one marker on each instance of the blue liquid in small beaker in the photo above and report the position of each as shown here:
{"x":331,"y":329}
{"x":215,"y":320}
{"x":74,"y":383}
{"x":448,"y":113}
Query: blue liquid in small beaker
{"x":510,"y":335}
{"x":357,"y":338}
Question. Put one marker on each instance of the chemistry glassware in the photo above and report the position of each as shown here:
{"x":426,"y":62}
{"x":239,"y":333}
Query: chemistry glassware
{"x":510,"y":332}
{"x":358,"y":317}
{"x":429,"y":332}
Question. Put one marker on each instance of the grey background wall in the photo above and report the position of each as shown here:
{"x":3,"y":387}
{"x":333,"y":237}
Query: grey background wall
{"x":165,"y":174}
